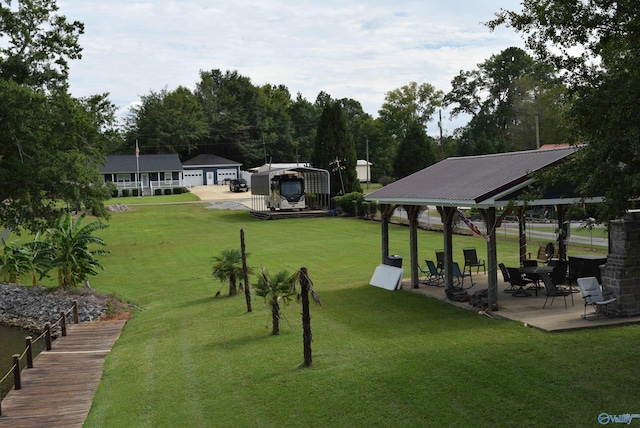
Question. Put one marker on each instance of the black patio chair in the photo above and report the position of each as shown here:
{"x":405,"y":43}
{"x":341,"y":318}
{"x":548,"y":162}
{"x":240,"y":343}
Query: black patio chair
{"x":471,"y":260}
{"x":518,"y":282}
{"x":554,"y":290}
{"x":505,"y":277}
{"x":440,"y":260}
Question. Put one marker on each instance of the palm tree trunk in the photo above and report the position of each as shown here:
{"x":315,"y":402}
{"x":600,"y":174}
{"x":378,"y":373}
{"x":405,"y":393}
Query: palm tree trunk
{"x":306,"y":317}
{"x":233,"y":290}
{"x":275,"y":315}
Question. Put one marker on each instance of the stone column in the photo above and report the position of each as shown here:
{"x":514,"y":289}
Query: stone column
{"x":621,"y":274}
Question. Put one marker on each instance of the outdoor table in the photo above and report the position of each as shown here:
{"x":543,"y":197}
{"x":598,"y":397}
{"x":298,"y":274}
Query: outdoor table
{"x":534,"y":272}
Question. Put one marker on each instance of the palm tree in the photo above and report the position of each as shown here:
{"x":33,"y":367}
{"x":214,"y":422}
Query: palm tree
{"x":70,"y":245}
{"x":13,"y":263}
{"x":228,"y":268}
{"x":276,"y":289}
{"x":38,"y":255}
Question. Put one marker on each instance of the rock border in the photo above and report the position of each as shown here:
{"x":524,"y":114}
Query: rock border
{"x":30,"y":307}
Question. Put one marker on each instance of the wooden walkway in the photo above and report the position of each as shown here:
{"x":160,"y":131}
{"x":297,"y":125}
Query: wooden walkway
{"x":59,"y":389}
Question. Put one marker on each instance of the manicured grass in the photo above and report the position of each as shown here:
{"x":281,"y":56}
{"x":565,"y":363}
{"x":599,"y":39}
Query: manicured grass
{"x":380,"y":358}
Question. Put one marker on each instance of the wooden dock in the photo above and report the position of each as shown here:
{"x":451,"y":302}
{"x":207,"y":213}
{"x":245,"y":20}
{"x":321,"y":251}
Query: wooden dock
{"x":59,"y":389}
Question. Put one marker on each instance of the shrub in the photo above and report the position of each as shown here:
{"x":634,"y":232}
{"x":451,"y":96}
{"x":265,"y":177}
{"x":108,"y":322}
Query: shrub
{"x":167,"y":191}
{"x":114,"y":193}
{"x":134,"y":192}
{"x":350,"y":204}
{"x":157,"y":192}
{"x":125,"y":193}
{"x":177,"y":190}
{"x":384,"y":180}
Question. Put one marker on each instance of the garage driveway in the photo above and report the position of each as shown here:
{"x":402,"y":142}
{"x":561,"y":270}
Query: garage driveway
{"x":217,"y":193}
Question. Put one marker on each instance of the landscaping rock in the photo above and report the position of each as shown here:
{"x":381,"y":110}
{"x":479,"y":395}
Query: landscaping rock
{"x":31,"y":307}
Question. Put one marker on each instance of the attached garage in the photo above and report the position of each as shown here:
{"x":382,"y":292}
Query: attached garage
{"x":226,"y":174}
{"x":210,"y":169}
{"x":193,"y":178}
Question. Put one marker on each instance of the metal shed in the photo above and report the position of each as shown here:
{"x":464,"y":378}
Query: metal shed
{"x":316,"y":183}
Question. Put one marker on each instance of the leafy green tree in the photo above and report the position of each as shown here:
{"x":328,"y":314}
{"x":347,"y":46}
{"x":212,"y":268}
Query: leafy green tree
{"x":227,"y":268}
{"x":409,"y":104}
{"x":304,"y":117}
{"x":231,"y":107}
{"x":71,"y":241}
{"x":597,"y":45}
{"x":508,"y":96}
{"x":50,"y":142}
{"x":166,"y":122}
{"x":275,"y":123}
{"x":276,"y":289}
{"x":414,"y":152}
{"x":334,"y":150}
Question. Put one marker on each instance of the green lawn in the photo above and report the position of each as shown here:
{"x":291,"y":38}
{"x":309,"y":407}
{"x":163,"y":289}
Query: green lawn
{"x":380,"y":358}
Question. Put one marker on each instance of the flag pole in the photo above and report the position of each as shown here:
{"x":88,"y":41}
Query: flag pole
{"x":138,"y":169}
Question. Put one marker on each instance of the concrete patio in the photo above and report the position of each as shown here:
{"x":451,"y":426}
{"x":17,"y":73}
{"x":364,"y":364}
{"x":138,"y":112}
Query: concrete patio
{"x":528,"y":310}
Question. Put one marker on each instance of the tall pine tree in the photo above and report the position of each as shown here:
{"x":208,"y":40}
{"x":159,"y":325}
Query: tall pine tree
{"x":334,"y":150}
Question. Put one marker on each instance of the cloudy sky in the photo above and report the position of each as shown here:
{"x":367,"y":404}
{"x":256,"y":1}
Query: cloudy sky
{"x":348,"y":48}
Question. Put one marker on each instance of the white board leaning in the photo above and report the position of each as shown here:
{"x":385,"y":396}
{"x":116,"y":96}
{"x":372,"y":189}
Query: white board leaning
{"x":387,"y":277}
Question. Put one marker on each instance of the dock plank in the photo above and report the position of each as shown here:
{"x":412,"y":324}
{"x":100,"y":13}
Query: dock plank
{"x":59,"y":389}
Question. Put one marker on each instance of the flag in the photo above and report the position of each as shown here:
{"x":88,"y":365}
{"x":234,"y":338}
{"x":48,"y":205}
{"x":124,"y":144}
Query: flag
{"x":137,"y":150}
{"x":472,"y":226}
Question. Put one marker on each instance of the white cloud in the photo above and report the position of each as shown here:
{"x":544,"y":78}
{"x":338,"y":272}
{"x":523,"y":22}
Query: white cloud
{"x":349,"y":49}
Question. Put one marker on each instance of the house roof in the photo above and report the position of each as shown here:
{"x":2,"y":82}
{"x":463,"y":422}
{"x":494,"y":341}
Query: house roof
{"x":474,"y":181}
{"x":145,"y":163}
{"x":209,"y":160}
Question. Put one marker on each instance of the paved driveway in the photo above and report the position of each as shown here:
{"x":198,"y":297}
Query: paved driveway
{"x":217,"y":193}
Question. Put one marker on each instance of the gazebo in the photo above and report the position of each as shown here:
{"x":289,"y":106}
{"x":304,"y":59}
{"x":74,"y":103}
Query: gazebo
{"x":485,"y":182}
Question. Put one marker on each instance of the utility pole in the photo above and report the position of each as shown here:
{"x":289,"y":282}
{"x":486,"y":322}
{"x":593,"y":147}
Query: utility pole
{"x":441,"y":141}
{"x":367,"y":166}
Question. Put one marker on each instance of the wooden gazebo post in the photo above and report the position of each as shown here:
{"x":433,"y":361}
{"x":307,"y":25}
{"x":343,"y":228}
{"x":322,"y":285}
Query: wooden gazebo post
{"x":446,"y":214}
{"x":492,"y":257}
{"x":413,"y":212}
{"x":386,"y":211}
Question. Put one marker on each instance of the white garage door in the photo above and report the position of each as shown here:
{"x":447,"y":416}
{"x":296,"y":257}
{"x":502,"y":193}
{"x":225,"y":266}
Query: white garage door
{"x":193,"y":178}
{"x":230,"y":174}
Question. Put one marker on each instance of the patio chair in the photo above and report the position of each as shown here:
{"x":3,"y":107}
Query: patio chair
{"x":553,"y":290}
{"x":505,"y":277}
{"x":592,"y":295}
{"x":471,"y":260}
{"x":432,"y":275}
{"x":518,"y":282}
{"x":440,"y":260}
{"x":534,"y":277}
{"x":460,"y":276}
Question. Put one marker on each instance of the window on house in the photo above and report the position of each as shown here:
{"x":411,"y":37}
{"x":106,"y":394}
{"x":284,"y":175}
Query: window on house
{"x":124,"y":178}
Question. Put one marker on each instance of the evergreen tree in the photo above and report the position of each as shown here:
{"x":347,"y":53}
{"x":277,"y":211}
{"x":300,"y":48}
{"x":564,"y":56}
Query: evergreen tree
{"x":414,"y":151}
{"x":334,"y":150}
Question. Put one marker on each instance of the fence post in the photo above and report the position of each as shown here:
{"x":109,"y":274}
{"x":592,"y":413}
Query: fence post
{"x":47,"y":335}
{"x":76,"y":318}
{"x":63,"y":323}
{"x":16,"y":371}
{"x":29,"y":353}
